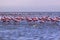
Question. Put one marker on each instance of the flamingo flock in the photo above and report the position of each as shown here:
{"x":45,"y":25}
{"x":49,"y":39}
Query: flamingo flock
{"x":29,"y":19}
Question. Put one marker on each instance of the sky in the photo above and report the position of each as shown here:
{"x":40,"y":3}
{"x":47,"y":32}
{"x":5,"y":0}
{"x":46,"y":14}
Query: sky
{"x":29,"y":5}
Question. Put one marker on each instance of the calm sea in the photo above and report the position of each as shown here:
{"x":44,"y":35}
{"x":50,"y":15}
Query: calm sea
{"x":30,"y":31}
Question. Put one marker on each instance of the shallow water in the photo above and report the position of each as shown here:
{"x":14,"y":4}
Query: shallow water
{"x":31,"y":31}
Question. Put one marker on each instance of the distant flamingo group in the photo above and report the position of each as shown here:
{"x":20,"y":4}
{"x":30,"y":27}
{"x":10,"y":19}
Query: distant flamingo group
{"x":29,"y":19}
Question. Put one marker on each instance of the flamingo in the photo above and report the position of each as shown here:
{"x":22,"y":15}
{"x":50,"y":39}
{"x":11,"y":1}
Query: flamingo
{"x":8,"y":19}
{"x":0,"y":18}
{"x":3,"y":19}
{"x":54,"y":19}
{"x":49,"y":19}
{"x":28,"y":19}
{"x":58,"y":19}
{"x":22,"y":18}
{"x":43,"y":19}
{"x":35,"y":19}
{"x":17,"y":19}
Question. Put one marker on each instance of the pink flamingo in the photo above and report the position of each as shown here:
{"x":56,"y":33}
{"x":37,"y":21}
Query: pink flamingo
{"x":35,"y":19}
{"x":17,"y":19}
{"x":43,"y":19}
{"x":54,"y":19}
{"x":4,"y":19}
{"x":28,"y":19}
{"x":58,"y":18}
